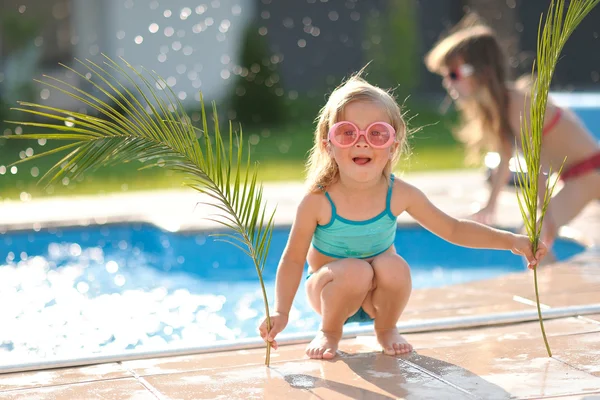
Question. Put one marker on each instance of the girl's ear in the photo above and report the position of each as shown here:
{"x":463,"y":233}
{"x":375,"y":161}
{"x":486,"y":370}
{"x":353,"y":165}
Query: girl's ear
{"x":327,"y":146}
{"x":393,"y":150}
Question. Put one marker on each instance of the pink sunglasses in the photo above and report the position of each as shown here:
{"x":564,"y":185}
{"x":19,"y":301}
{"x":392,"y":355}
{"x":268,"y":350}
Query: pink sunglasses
{"x":378,"y":135}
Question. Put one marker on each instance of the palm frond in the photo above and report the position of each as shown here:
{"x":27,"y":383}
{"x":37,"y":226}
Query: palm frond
{"x":154,"y":128}
{"x":555,"y":32}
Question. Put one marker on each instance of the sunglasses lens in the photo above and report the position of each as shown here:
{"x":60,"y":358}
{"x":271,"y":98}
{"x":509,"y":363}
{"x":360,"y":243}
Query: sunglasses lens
{"x":345,"y":134}
{"x":379,"y":134}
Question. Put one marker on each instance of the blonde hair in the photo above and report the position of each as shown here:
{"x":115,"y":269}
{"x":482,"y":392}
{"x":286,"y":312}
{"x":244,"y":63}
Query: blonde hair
{"x":322,"y":170}
{"x":485,"y":123}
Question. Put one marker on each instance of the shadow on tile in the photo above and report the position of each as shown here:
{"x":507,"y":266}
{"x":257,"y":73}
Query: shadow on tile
{"x":377,"y":376}
{"x":384,"y":371}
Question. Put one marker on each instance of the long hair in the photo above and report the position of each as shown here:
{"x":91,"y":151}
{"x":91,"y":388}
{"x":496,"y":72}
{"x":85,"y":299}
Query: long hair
{"x":322,"y":170}
{"x":485,"y":124}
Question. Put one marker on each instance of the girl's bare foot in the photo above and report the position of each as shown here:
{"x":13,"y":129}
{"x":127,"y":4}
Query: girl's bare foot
{"x":324,"y":345}
{"x":392,"y":342}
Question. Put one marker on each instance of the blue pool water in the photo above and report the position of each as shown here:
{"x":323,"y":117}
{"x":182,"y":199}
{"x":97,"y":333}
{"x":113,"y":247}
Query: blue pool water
{"x":585,"y":105}
{"x":117,"y":287}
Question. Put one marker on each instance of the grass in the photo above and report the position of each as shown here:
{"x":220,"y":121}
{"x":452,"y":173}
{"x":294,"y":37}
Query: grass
{"x":280,"y":151}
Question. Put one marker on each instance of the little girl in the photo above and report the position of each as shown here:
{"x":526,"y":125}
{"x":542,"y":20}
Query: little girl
{"x":474,"y":70}
{"x":345,"y":225}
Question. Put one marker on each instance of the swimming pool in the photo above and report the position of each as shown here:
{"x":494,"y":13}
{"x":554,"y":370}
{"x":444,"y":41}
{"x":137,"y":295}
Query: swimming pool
{"x":111,"y":288}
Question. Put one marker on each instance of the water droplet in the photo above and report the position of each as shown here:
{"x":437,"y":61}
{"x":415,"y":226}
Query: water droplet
{"x":119,"y":280}
{"x":288,"y":23}
{"x":169,"y":31}
{"x":265,"y":15}
{"x":180,"y":33}
{"x":354,"y":16}
{"x":333,"y":15}
{"x":171,"y":81}
{"x":14,"y":170}
{"x":23,"y":256}
{"x":83,"y":287}
{"x":236,"y":10}
{"x":2,"y":170}
{"x":209,"y":21}
{"x":301,"y":43}
{"x":161,"y":85}
{"x":185,"y":13}
{"x":154,"y":5}
{"x":176,"y":46}
{"x":24,"y":196}
{"x":75,"y":250}
{"x":22,"y":9}
{"x":69,"y":120}
{"x":225,"y":74}
{"x":38,"y":41}
{"x":139,"y":39}
{"x":225,"y":59}
{"x":182,"y":95}
{"x":262,"y":30}
{"x":42,"y":142}
{"x":153,"y":28}
{"x":215,"y":3}
{"x":35,"y":172}
{"x":225,"y":25}
{"x":167,"y":13}
{"x":181,"y":68}
{"x":307,"y":21}
{"x":112,"y":267}
{"x":22,"y":155}
{"x":45,"y":94}
{"x":65,"y":181}
{"x":94,"y":49}
{"x":293,"y":95}
{"x":187,"y":50}
{"x":121,"y":35}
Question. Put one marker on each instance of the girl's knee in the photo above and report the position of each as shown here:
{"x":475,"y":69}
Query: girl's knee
{"x":354,"y":273}
{"x":391,"y":270}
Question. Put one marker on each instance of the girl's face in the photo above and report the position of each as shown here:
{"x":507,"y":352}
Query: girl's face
{"x":459,"y":79}
{"x":363,"y":161}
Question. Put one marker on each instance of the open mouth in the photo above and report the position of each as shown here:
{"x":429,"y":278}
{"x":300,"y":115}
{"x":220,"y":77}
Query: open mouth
{"x":361,"y":160}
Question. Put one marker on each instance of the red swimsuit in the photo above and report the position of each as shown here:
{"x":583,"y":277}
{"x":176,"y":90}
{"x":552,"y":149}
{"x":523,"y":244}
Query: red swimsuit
{"x":582,"y":167}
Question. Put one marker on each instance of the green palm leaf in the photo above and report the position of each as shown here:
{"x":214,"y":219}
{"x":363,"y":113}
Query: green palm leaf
{"x":551,"y":38}
{"x":154,"y":128}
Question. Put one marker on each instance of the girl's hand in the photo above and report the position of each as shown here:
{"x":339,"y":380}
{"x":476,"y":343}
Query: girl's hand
{"x":278,"y":323}
{"x":522,"y":245}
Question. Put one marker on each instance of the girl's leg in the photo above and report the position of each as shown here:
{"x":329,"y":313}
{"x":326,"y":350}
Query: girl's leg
{"x":336,"y":291}
{"x":388,"y":299}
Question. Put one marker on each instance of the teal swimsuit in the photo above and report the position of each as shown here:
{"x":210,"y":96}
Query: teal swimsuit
{"x":344,"y":238}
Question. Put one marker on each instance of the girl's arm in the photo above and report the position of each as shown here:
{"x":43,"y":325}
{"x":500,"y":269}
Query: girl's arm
{"x":464,"y":232}
{"x":291,"y":265}
{"x":458,"y":231}
{"x":501,"y":176}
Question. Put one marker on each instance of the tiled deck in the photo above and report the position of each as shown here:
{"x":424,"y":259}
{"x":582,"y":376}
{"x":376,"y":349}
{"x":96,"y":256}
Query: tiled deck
{"x":499,"y":362}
